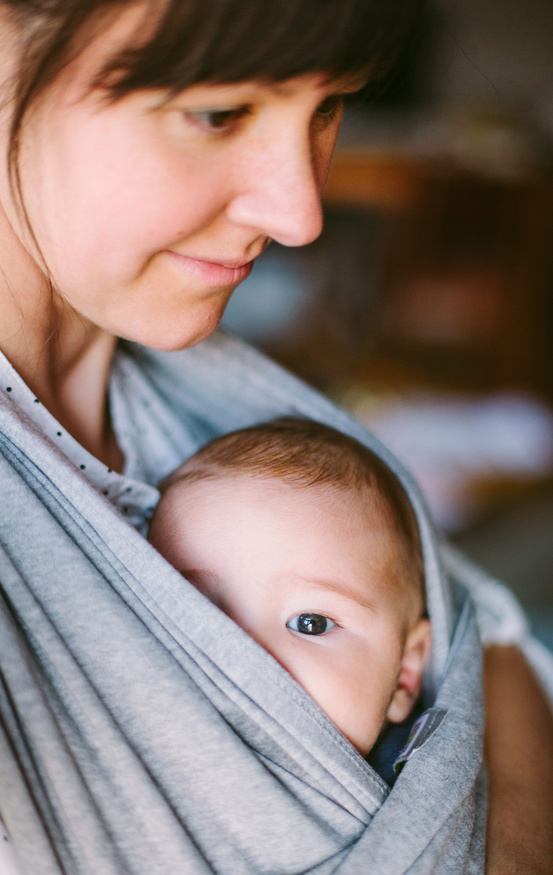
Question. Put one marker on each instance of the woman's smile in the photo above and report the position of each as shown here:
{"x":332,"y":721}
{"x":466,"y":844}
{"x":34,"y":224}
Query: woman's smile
{"x":213,"y":273}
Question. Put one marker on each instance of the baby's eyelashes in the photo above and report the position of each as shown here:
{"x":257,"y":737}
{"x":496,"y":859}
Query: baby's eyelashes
{"x":310,"y":624}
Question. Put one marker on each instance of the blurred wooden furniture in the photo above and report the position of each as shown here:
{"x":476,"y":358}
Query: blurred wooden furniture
{"x":464,"y":283}
{"x":362,"y":177}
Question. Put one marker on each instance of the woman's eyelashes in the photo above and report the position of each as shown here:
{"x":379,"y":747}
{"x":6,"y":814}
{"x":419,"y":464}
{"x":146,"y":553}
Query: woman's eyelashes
{"x":310,"y":624}
{"x":330,"y":109}
{"x":223,"y":120}
{"x":217,"y":120}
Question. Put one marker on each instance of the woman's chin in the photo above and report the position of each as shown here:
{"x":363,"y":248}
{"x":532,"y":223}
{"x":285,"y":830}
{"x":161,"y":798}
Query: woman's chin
{"x":170,"y":336}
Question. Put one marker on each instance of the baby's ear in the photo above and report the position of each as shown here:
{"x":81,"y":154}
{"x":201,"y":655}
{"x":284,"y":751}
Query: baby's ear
{"x":415,"y":654}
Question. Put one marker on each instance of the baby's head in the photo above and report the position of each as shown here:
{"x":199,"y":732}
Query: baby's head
{"x":308,"y":541}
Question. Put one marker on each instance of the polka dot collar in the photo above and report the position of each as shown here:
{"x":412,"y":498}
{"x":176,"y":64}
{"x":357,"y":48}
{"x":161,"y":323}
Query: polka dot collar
{"x":135,"y":498}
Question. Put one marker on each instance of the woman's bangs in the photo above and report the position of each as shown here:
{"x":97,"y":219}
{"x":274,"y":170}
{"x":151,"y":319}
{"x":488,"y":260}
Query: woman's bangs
{"x":221,"y":41}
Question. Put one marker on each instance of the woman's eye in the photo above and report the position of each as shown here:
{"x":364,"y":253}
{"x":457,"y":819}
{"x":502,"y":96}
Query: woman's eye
{"x":310,"y":624}
{"x":218,"y":120}
{"x":330,"y":108}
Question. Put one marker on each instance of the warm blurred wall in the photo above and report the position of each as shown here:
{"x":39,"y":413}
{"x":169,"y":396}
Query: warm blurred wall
{"x":496,"y":51}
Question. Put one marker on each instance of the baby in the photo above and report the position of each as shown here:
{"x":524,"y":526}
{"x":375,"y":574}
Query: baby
{"x":308,"y":541}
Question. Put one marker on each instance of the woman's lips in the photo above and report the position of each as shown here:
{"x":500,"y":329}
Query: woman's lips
{"x":212,"y":273}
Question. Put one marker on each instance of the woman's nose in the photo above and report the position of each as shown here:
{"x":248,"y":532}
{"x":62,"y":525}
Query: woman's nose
{"x":279,"y":193}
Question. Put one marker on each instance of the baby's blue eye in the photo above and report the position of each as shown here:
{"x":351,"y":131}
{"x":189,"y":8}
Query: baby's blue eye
{"x":310,"y":624}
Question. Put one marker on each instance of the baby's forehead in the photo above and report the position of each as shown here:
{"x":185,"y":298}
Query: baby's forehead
{"x":303,"y":493}
{"x":358,"y":517}
{"x":361,"y":503}
{"x":352,"y":509}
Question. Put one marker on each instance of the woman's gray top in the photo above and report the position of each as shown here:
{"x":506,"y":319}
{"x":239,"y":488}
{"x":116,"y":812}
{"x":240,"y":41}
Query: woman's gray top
{"x":142,"y":732}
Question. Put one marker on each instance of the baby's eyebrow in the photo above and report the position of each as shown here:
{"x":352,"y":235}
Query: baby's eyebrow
{"x":200,"y":577}
{"x":342,"y":588}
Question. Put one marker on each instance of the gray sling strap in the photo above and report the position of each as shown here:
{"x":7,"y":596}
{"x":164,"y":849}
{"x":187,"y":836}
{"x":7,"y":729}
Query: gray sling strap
{"x":142,"y":732}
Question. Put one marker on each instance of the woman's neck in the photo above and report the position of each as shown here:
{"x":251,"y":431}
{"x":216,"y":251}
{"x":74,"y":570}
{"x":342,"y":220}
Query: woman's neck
{"x":71,"y":380}
{"x":63,"y":358}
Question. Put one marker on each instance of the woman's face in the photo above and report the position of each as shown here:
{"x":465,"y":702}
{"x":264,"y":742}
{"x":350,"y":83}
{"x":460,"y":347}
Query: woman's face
{"x":148,"y":213}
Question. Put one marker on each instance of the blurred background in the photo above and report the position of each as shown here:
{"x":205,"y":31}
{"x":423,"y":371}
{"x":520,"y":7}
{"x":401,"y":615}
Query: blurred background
{"x":426,"y":307}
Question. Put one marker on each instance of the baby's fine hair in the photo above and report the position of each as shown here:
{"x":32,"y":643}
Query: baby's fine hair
{"x":304,"y":453}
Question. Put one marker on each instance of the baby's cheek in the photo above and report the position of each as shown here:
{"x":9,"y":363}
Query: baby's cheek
{"x":338,"y":690}
{"x":360,"y":698}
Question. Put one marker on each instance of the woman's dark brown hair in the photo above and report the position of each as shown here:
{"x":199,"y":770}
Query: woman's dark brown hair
{"x":209,"y":41}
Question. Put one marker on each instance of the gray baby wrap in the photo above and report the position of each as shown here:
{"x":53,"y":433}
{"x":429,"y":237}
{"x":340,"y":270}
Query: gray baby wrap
{"x":142,"y":732}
